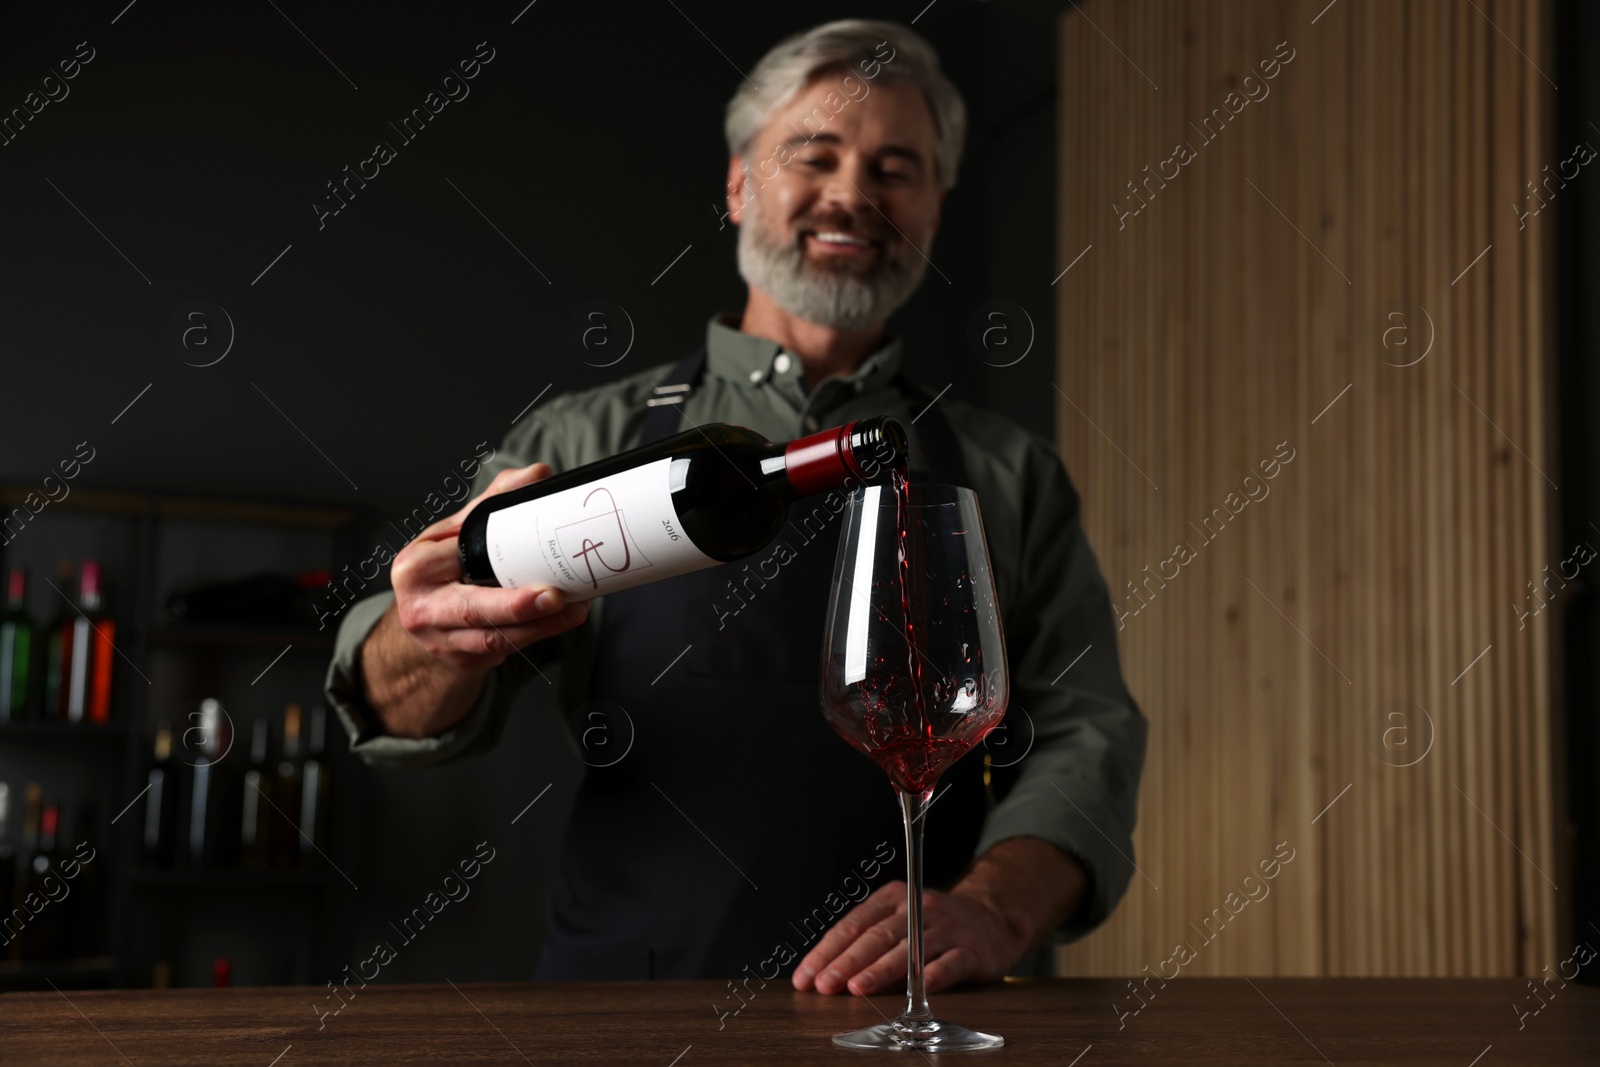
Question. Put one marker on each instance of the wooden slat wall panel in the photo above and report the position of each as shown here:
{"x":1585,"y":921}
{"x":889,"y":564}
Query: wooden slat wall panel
{"x":1229,"y":314}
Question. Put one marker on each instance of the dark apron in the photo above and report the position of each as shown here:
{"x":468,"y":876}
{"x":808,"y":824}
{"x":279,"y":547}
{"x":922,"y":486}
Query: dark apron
{"x":739,"y":820}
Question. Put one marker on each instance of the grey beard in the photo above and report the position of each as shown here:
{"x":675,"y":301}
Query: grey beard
{"x":838,"y":299}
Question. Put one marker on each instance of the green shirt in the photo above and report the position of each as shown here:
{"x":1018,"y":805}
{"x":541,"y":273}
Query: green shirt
{"x":1076,"y":787}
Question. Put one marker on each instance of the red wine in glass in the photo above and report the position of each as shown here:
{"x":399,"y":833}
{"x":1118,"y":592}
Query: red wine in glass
{"x":914,"y":676}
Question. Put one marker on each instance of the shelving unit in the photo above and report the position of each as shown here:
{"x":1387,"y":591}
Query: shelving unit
{"x":157,"y":878}
{"x":240,"y":637}
{"x":151,"y":544}
{"x":83,"y":973}
{"x":21,"y":731}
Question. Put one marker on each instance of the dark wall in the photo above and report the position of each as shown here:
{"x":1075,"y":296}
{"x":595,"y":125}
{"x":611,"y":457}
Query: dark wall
{"x":383,"y":345}
{"x":372,"y":350}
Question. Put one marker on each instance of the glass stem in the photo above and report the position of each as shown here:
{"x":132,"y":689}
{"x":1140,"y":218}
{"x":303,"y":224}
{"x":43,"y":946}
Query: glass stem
{"x":914,"y":806}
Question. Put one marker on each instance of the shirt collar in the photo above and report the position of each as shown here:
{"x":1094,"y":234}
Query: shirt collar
{"x":753,"y":361}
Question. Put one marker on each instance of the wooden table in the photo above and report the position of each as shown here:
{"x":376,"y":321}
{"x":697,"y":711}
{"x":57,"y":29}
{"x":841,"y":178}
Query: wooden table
{"x":1193,"y":1022}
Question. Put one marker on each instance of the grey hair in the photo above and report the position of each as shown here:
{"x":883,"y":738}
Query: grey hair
{"x":850,"y":45}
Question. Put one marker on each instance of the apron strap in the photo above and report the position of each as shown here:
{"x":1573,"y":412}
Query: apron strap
{"x":663,"y":416}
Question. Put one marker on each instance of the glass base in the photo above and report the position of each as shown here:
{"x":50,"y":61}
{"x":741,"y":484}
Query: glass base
{"x":929,"y":1036}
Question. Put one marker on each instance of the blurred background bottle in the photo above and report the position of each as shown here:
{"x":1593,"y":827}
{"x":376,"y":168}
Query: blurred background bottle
{"x":290,"y":787}
{"x":8,"y":866}
{"x":161,"y":806}
{"x":213,"y":793}
{"x":315,"y":791}
{"x":58,"y":647}
{"x":255,"y":825}
{"x":33,"y":800}
{"x":42,"y":935}
{"x":79,"y":655}
{"x":93,"y":643}
{"x":17,"y":650}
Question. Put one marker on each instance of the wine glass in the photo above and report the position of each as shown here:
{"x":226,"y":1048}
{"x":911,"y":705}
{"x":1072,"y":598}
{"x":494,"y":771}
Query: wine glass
{"x":914,"y":675}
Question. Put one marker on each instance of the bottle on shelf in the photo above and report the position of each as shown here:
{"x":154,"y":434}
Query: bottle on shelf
{"x":58,"y":646}
{"x":706,"y":496}
{"x":255,"y":825}
{"x":315,"y":791}
{"x":161,"y":806}
{"x":15,"y":929}
{"x":213,"y":793}
{"x":42,"y":935}
{"x":16,"y":648}
{"x":289,"y":787}
{"x":88,"y":685}
{"x":8,"y":867}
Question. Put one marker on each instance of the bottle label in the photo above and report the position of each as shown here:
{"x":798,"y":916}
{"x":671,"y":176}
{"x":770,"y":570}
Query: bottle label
{"x":597,"y":538}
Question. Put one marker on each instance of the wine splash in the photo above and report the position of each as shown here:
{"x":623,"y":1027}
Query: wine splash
{"x":913,"y":747}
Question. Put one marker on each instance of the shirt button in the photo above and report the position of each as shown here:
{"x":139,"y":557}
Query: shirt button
{"x":755,"y":376}
{"x":810,"y":422}
{"x":782,"y":363}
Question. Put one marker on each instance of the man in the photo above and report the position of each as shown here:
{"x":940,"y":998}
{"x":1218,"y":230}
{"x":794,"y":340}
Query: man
{"x":738,"y":826}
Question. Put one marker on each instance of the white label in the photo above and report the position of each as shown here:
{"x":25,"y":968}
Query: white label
{"x":597,"y":538}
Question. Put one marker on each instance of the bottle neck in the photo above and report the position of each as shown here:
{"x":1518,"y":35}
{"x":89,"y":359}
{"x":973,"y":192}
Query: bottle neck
{"x":855,"y":454}
{"x":89,"y":586}
{"x":291,"y":733}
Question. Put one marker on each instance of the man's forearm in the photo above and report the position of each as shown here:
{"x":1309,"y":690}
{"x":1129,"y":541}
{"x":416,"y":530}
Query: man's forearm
{"x":413,"y":693}
{"x":1030,"y":883}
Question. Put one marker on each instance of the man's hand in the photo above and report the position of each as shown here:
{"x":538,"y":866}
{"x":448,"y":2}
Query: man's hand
{"x":865,"y":951}
{"x":424,"y":663}
{"x":473,"y":628}
{"x":1009,"y":901}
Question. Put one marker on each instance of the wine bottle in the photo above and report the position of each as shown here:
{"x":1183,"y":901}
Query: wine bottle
{"x":255,"y":827}
{"x":213,"y":816}
{"x":289,"y":785}
{"x":201,"y":843}
{"x":87,"y":670}
{"x":58,"y":647}
{"x":15,"y":923}
{"x":161,"y":806}
{"x":16,"y":648}
{"x":40,"y":938}
{"x":8,"y":868}
{"x":706,"y":496}
{"x":314,"y":791}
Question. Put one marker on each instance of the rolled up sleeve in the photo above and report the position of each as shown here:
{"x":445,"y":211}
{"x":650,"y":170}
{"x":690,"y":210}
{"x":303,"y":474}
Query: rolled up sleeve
{"x":477,"y":732}
{"x":482,"y":726}
{"x":1077,"y":786}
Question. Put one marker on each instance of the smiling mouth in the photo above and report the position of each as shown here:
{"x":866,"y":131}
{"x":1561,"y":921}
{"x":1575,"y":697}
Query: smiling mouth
{"x":839,"y":243}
